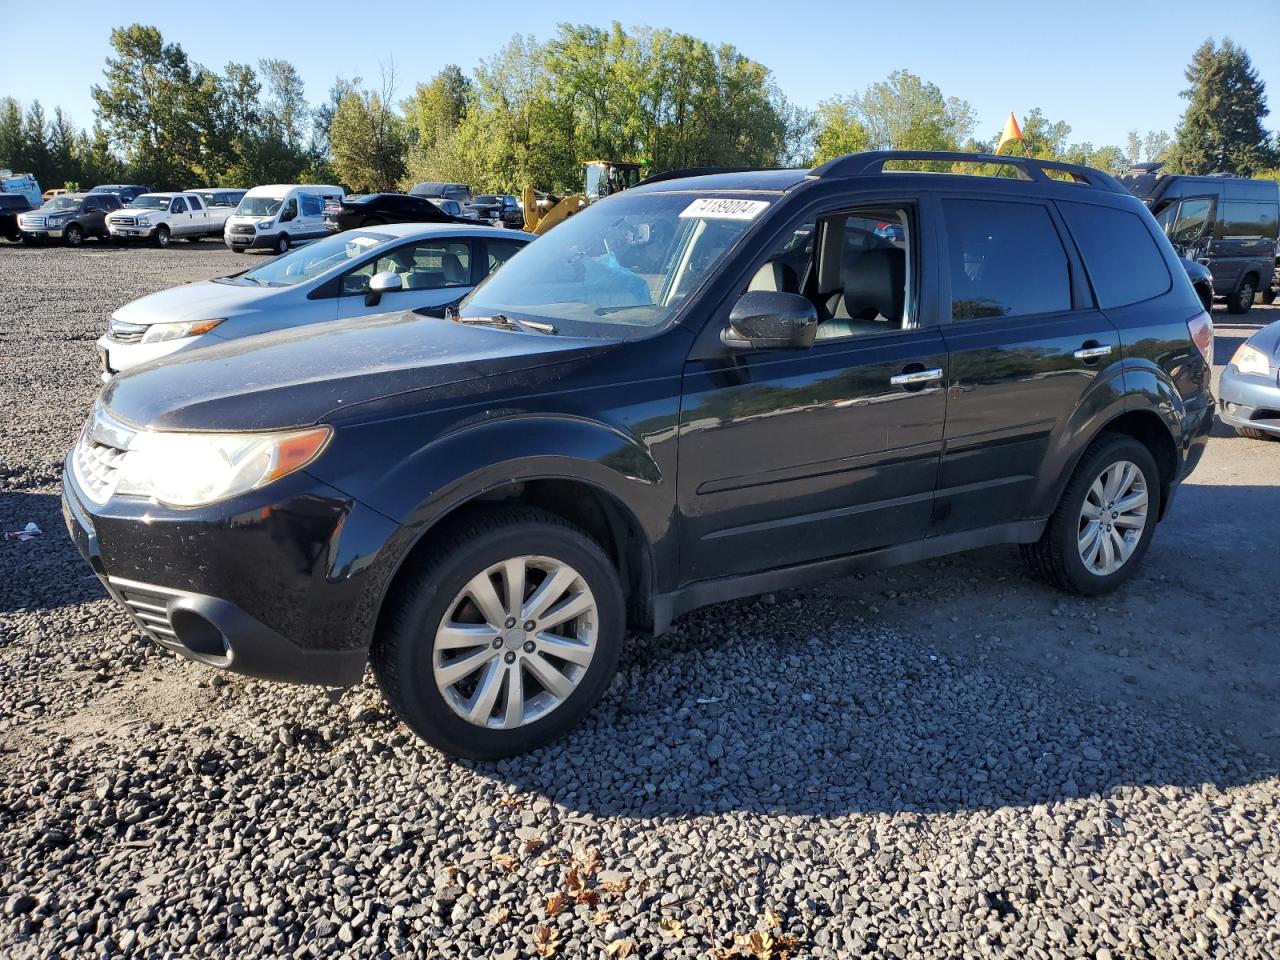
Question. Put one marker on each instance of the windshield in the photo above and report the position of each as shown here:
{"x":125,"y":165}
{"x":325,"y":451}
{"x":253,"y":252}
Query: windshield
{"x":630,"y":260}
{"x":62,"y":203}
{"x":314,"y":259}
{"x":487,"y":198}
{"x":259,"y":206}
{"x":147,"y":202}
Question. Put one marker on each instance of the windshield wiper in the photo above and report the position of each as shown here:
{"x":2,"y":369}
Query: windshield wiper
{"x":509,"y":323}
{"x":605,"y":311}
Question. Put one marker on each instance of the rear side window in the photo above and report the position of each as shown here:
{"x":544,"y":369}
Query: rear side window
{"x":1123,"y":260}
{"x":312,"y":206}
{"x":1005,"y":260}
{"x":1245,"y":219}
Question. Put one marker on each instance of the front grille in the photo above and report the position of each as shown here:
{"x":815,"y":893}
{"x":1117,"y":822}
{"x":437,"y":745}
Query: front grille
{"x":124,"y":221}
{"x":97,"y":468}
{"x":149,"y":606}
{"x":243,"y":229}
{"x":30,"y":222}
{"x":122,"y":332}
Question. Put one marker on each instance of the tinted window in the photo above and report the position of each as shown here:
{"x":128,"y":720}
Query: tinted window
{"x":1241,"y":219}
{"x":500,"y":251}
{"x":1184,"y":222}
{"x":178,"y":206}
{"x":312,"y":206}
{"x":195,"y":202}
{"x":1121,"y":255}
{"x":1005,"y":260}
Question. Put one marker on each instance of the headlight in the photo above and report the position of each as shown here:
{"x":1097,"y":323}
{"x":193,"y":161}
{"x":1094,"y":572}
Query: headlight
{"x":160,"y":332}
{"x":1251,"y":360}
{"x":193,"y":469}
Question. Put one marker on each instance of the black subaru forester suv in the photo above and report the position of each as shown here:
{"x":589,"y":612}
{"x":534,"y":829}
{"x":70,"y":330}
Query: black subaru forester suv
{"x":698,"y":389}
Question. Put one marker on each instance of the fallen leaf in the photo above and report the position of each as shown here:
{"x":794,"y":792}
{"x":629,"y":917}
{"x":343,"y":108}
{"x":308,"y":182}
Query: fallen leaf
{"x":498,"y":915}
{"x":545,"y":941}
{"x":616,"y":886}
{"x":587,"y":897}
{"x":759,"y":943}
{"x":509,"y":801}
{"x":556,"y":903}
{"x":552,"y":861}
{"x":587,"y":860}
{"x":672,"y":927}
{"x":601,"y":917}
{"x":506,"y":862}
{"x":533,"y":845}
{"x":574,"y":880}
{"x":621,"y":948}
{"x":771,"y":919}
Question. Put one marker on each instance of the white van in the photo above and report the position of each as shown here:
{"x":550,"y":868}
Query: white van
{"x":278,"y":216}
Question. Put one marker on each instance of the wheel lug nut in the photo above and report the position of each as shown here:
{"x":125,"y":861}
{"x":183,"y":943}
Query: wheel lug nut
{"x":529,"y":626}
{"x":510,"y":656}
{"x":511,"y":622}
{"x":497,"y":642}
{"x":529,"y":646}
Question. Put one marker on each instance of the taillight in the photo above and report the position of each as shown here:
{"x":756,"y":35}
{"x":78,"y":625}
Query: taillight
{"x":1201,"y":329}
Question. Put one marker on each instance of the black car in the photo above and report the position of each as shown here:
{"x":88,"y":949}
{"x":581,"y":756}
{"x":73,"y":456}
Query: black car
{"x":496,"y":207}
{"x":12,"y":204}
{"x":1229,"y":224}
{"x":127,"y":192}
{"x":373,"y":209}
{"x":694,"y":390}
{"x":458,"y":192}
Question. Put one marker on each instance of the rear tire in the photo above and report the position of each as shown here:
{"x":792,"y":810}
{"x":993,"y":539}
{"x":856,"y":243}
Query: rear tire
{"x":1252,"y":434}
{"x":1266,"y":297}
{"x":1242,"y":299}
{"x":415,"y":677}
{"x":1057,"y":557}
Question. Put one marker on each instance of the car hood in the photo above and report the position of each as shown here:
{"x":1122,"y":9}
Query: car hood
{"x":1268,"y":341}
{"x":204,"y":300}
{"x":295,"y":377}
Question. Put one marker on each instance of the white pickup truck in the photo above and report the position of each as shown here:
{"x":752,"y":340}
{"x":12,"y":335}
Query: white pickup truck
{"x":161,"y":217}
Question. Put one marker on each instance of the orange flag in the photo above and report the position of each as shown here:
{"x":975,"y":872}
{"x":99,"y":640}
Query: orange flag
{"x":1010,"y":133}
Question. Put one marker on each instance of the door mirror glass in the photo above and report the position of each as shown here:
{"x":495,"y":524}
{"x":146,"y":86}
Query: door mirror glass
{"x":770,"y":320}
{"x":386,"y":282}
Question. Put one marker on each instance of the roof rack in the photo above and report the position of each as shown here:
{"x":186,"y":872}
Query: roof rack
{"x":1027,"y":168}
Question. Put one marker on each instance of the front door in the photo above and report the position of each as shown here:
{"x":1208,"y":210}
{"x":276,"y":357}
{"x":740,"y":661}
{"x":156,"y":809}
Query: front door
{"x":1026,"y":342}
{"x":433,"y":274}
{"x":794,"y":456}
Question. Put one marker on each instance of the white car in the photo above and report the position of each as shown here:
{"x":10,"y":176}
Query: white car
{"x":221,"y":202}
{"x":161,"y":217}
{"x":279,"y":216}
{"x":403,"y":266}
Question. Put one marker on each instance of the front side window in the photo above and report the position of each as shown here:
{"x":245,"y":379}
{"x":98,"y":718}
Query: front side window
{"x":310,"y":261}
{"x":630,"y":261}
{"x":424,"y":265}
{"x":1005,"y":260}
{"x":1185,"y":222}
{"x":178,"y":206}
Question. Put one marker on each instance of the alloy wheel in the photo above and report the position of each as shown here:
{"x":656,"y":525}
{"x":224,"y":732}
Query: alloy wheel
{"x":515,"y":642}
{"x":1112,"y":518}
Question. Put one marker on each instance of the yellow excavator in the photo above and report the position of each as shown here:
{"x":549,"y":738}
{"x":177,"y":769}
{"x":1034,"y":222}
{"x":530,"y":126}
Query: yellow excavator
{"x":600,"y":178}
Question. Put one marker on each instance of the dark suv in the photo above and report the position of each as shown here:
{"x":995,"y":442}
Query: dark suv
{"x":695,"y":390}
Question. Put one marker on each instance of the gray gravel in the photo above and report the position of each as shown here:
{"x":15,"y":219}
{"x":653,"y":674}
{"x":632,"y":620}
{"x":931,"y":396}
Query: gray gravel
{"x":946,"y":760}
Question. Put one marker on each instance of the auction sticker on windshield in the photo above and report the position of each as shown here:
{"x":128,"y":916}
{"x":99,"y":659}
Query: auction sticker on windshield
{"x":711,"y":208}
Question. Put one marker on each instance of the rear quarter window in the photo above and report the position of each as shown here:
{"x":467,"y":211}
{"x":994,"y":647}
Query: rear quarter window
{"x":1123,"y":257}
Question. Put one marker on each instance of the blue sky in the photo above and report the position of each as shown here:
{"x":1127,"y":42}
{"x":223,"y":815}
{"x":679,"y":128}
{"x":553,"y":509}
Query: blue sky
{"x":1104,"y":67}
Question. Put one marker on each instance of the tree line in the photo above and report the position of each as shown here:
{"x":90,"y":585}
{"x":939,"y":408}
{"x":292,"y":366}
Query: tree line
{"x":533,"y":112}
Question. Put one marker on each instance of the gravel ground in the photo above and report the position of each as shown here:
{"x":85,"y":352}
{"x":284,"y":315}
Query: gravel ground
{"x":942,"y":760}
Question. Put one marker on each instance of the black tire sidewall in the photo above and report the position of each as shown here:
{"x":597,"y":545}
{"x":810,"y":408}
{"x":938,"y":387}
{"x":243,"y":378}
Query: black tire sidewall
{"x":409,"y":649}
{"x":1242,"y":299}
{"x":282,"y":244}
{"x":1067,"y":516}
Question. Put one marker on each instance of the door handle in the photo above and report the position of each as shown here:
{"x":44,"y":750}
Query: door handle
{"x":916,"y":376}
{"x":1092,"y":353}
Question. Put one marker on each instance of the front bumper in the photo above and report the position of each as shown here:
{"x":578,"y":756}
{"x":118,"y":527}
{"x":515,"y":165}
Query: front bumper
{"x":282,"y":584}
{"x":41,"y":233}
{"x":249,"y":241}
{"x":1250,"y":401}
{"x":114,"y":356}
{"x":131,"y":233}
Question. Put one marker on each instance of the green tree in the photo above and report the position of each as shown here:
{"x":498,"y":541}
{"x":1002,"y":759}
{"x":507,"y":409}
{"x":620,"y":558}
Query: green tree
{"x":368,"y":139}
{"x":1221,"y":130}
{"x":13,"y":153}
{"x":284,"y":107}
{"x":35,"y":140}
{"x":63,"y":167}
{"x":145,"y":101}
{"x":839,"y":131}
{"x":905,"y":112}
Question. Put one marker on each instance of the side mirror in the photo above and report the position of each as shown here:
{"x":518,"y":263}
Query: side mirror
{"x":768,"y":320}
{"x":386,"y":282}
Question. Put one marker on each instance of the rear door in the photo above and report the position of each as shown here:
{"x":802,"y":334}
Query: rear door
{"x":1027,"y":345}
{"x":1244,"y":239}
{"x":197,"y":218}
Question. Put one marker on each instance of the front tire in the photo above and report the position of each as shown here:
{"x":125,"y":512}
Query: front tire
{"x":502,"y":638}
{"x":282,"y":244}
{"x":73,"y":235}
{"x":1252,"y":434}
{"x":1103,"y":525}
{"x":1242,"y":299}
{"x":162,"y":236}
